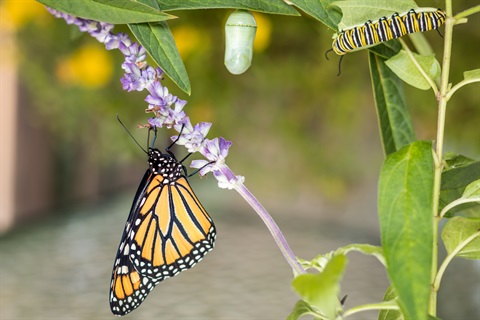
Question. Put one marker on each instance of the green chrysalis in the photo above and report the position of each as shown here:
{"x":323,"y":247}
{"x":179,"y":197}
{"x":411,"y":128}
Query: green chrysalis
{"x":240,"y":30}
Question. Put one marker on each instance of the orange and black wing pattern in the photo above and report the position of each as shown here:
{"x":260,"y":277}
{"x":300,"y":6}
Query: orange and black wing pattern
{"x":167,"y":231}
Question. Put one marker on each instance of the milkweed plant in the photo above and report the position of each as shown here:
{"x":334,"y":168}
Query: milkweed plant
{"x":421,"y":186}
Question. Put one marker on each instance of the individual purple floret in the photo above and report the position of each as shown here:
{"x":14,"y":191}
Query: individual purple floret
{"x":192,"y":137}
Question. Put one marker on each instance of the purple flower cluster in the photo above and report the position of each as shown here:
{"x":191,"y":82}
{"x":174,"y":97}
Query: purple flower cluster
{"x":167,"y":108}
{"x":98,"y":30}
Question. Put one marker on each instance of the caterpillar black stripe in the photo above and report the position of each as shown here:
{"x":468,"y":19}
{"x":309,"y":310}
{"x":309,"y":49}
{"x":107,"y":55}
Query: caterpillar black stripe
{"x":387,"y":28}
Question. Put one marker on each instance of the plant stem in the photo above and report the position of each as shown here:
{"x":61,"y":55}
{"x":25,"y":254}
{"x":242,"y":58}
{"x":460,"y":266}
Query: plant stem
{"x":385,"y":305}
{"x":267,"y":219}
{"x":442,"y":108}
{"x":445,"y":263}
{"x":272,"y":227}
{"x":468,"y":12}
{"x":457,"y":203}
{"x":459,"y":85}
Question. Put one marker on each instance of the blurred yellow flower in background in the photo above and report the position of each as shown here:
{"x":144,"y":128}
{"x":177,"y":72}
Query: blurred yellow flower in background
{"x":190,"y":39}
{"x":264,"y":32}
{"x":14,"y":13}
{"x":90,"y":66}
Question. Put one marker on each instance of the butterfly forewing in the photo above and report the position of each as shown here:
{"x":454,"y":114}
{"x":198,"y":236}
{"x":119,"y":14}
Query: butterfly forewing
{"x":167,"y":231}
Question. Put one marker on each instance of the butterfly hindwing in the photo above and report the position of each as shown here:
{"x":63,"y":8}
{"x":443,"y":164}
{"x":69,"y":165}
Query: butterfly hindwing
{"x":128,"y":288}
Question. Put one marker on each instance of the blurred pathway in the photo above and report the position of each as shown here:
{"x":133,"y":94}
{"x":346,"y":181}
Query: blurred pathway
{"x":60,"y":268}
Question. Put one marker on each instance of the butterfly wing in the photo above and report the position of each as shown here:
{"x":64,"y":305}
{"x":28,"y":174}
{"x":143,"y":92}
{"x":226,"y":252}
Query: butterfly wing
{"x":167,"y":231}
{"x":174,"y":230}
{"x":128,"y":288}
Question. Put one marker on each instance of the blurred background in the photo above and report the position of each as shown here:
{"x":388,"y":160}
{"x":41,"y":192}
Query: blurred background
{"x":306,"y":141}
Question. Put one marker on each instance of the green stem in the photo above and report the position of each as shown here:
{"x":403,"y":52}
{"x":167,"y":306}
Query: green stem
{"x":467,"y":12}
{"x":459,"y":85}
{"x":442,"y":107}
{"x":386,"y":305}
{"x":446,"y":262}
{"x":457,"y":203}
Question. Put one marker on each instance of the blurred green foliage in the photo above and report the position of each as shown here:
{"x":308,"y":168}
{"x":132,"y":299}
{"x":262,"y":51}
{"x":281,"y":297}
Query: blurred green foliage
{"x":295,"y":125}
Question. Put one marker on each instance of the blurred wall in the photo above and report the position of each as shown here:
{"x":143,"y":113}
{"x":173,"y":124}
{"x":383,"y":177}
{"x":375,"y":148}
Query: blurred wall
{"x":8,"y":101}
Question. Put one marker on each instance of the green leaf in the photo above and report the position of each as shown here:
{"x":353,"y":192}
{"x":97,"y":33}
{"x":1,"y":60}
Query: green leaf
{"x":470,"y":196}
{"x":472,"y":75}
{"x":111,"y":11}
{"x":460,"y":176}
{"x":367,"y":249}
{"x":151,"y":3}
{"x":453,"y":160}
{"x":320,"y":10}
{"x":357,"y":12}
{"x":321,"y":290}
{"x":389,"y":314}
{"x":472,"y":191}
{"x":405,"y":206}
{"x":421,"y":44}
{"x":159,"y":43}
{"x":459,"y":172}
{"x":318,"y":263}
{"x":456,"y":231}
{"x":386,"y":50}
{"x":405,"y":69}
{"x":396,"y":129}
{"x":266,"y":6}
{"x":302,"y":309}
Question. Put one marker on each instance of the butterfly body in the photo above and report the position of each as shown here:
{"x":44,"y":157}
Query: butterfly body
{"x":167,"y":231}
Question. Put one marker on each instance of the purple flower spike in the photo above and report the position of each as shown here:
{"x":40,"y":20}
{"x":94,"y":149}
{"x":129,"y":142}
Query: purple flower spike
{"x":159,"y":96}
{"x":177,"y":114}
{"x":225,"y":181}
{"x":133,"y":53}
{"x":150,"y":75}
{"x":132,"y":79}
{"x":101,"y":31}
{"x":113,"y":40}
{"x":156,"y":122}
{"x":215,"y":151}
{"x":192,"y":137}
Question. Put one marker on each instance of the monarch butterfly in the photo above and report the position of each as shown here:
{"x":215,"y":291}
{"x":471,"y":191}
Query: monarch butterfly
{"x":384,"y":29}
{"x":167,"y":231}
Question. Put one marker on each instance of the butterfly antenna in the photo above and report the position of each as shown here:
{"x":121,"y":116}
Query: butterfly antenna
{"x":198,"y":170}
{"x":131,"y":136}
{"x":178,"y":137}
